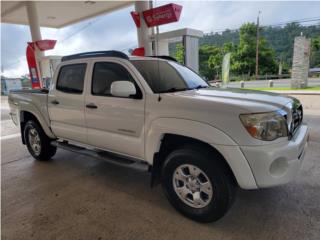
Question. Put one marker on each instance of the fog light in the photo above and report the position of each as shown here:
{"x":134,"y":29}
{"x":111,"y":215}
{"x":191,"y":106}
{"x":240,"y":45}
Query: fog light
{"x":279,"y":167}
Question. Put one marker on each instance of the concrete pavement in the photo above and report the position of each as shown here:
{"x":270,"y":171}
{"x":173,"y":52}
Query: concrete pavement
{"x":76,"y":197}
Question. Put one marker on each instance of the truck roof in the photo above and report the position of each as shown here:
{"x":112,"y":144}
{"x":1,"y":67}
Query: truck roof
{"x":95,"y":54}
{"x":112,"y":53}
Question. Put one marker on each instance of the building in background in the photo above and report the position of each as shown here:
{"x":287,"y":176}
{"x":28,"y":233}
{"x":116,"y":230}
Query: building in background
{"x":8,"y":84}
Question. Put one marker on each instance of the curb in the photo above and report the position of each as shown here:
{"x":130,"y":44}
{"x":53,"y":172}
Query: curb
{"x":296,"y":93}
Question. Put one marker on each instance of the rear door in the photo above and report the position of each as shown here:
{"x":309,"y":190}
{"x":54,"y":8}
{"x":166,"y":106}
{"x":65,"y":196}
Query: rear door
{"x":113,"y":123}
{"x":66,"y":103}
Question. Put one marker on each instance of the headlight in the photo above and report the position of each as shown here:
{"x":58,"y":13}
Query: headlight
{"x":265,"y":126}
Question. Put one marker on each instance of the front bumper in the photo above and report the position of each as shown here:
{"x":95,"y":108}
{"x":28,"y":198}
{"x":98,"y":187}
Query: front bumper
{"x":276,"y":164}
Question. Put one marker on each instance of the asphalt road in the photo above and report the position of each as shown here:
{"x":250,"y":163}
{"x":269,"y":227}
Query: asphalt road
{"x":77,"y":197}
{"x":277,"y":83}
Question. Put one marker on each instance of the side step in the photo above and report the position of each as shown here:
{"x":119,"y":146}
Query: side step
{"x":103,"y":155}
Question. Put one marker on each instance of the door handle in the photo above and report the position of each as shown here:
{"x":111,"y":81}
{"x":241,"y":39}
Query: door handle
{"x":91,"y":105}
{"x":55,"y":102}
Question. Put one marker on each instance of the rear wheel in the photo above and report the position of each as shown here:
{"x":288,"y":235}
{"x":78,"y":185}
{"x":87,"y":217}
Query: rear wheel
{"x":197,"y":184}
{"x":38,"y":143}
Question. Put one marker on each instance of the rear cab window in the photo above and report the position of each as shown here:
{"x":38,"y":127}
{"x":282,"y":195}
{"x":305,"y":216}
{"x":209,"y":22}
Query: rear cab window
{"x":71,"y":78}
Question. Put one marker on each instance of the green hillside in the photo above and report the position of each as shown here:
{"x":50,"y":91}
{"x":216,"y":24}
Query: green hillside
{"x":279,"y":38}
{"x":276,"y":41}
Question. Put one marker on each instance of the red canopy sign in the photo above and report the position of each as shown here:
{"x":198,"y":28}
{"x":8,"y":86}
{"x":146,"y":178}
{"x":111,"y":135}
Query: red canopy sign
{"x":136,"y":18}
{"x":44,"y":45}
{"x":162,"y":15}
{"x":32,"y":64}
{"x":138,"y":52}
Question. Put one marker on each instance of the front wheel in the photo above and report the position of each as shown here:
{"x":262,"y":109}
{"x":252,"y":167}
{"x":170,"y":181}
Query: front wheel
{"x":38,"y":143}
{"x":197,"y":184}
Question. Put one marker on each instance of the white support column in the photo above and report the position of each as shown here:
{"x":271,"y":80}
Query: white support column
{"x":33,"y":20}
{"x":191,"y":52}
{"x":163,"y":47}
{"x":143,"y":32}
{"x":34,"y":25}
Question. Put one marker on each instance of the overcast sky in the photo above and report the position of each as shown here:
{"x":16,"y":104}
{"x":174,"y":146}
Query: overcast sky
{"x":102,"y":33}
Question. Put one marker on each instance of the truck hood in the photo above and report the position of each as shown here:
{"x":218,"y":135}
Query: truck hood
{"x":240,"y":95}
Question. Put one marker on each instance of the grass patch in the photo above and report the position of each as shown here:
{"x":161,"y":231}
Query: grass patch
{"x":315,"y":88}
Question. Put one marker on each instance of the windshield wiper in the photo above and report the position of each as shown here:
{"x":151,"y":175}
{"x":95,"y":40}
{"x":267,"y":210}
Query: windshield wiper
{"x":200,"y":86}
{"x":175,"y":90}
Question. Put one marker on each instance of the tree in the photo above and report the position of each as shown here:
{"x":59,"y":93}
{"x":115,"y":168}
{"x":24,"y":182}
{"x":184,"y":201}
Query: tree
{"x":276,"y":45}
{"x":315,"y":52}
{"x":215,"y":61}
{"x":209,"y":68}
{"x":205,"y":51}
{"x":216,"y":57}
{"x":179,"y":54}
{"x":245,"y":57}
{"x":267,"y":59}
{"x":316,"y":43}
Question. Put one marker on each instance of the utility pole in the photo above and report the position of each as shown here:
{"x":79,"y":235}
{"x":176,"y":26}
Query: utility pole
{"x":257,"y":48}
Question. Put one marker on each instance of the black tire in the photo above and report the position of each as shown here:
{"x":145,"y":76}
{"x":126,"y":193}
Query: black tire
{"x":46,"y":149}
{"x":222,"y":182}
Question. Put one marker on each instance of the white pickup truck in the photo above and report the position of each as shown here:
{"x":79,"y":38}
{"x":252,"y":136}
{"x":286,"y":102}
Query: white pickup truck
{"x":199,"y":141}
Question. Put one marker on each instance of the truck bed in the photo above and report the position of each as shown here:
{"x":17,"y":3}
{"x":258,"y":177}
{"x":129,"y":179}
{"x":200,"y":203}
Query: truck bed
{"x":33,"y":101}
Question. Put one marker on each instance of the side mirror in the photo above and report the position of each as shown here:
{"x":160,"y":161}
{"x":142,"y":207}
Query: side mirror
{"x":122,"y":89}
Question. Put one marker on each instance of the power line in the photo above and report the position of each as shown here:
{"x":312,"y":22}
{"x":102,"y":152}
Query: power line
{"x":303,"y":20}
{"x":79,"y":30}
{"x":281,"y":24}
{"x":297,"y":20}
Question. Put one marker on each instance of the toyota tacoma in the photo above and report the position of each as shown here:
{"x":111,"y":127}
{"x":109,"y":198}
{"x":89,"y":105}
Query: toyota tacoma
{"x":200,"y":142}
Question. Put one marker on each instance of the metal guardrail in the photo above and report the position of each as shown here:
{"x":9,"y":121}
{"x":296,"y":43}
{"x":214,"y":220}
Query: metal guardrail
{"x":245,"y":77}
{"x":275,"y":76}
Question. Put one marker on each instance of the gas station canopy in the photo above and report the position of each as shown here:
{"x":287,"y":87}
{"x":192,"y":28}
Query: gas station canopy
{"x":58,"y":14}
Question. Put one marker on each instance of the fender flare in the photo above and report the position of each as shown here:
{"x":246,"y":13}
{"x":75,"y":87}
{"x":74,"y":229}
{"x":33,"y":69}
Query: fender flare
{"x":224,"y":144}
{"x":30,"y":108}
{"x":184,"y":127}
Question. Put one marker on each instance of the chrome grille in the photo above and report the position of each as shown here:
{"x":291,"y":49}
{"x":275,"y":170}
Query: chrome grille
{"x":296,"y":118}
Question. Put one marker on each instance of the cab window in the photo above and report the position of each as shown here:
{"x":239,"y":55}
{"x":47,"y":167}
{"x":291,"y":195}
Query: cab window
{"x":71,"y":78}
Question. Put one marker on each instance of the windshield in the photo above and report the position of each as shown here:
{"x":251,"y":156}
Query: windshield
{"x":167,"y":76}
